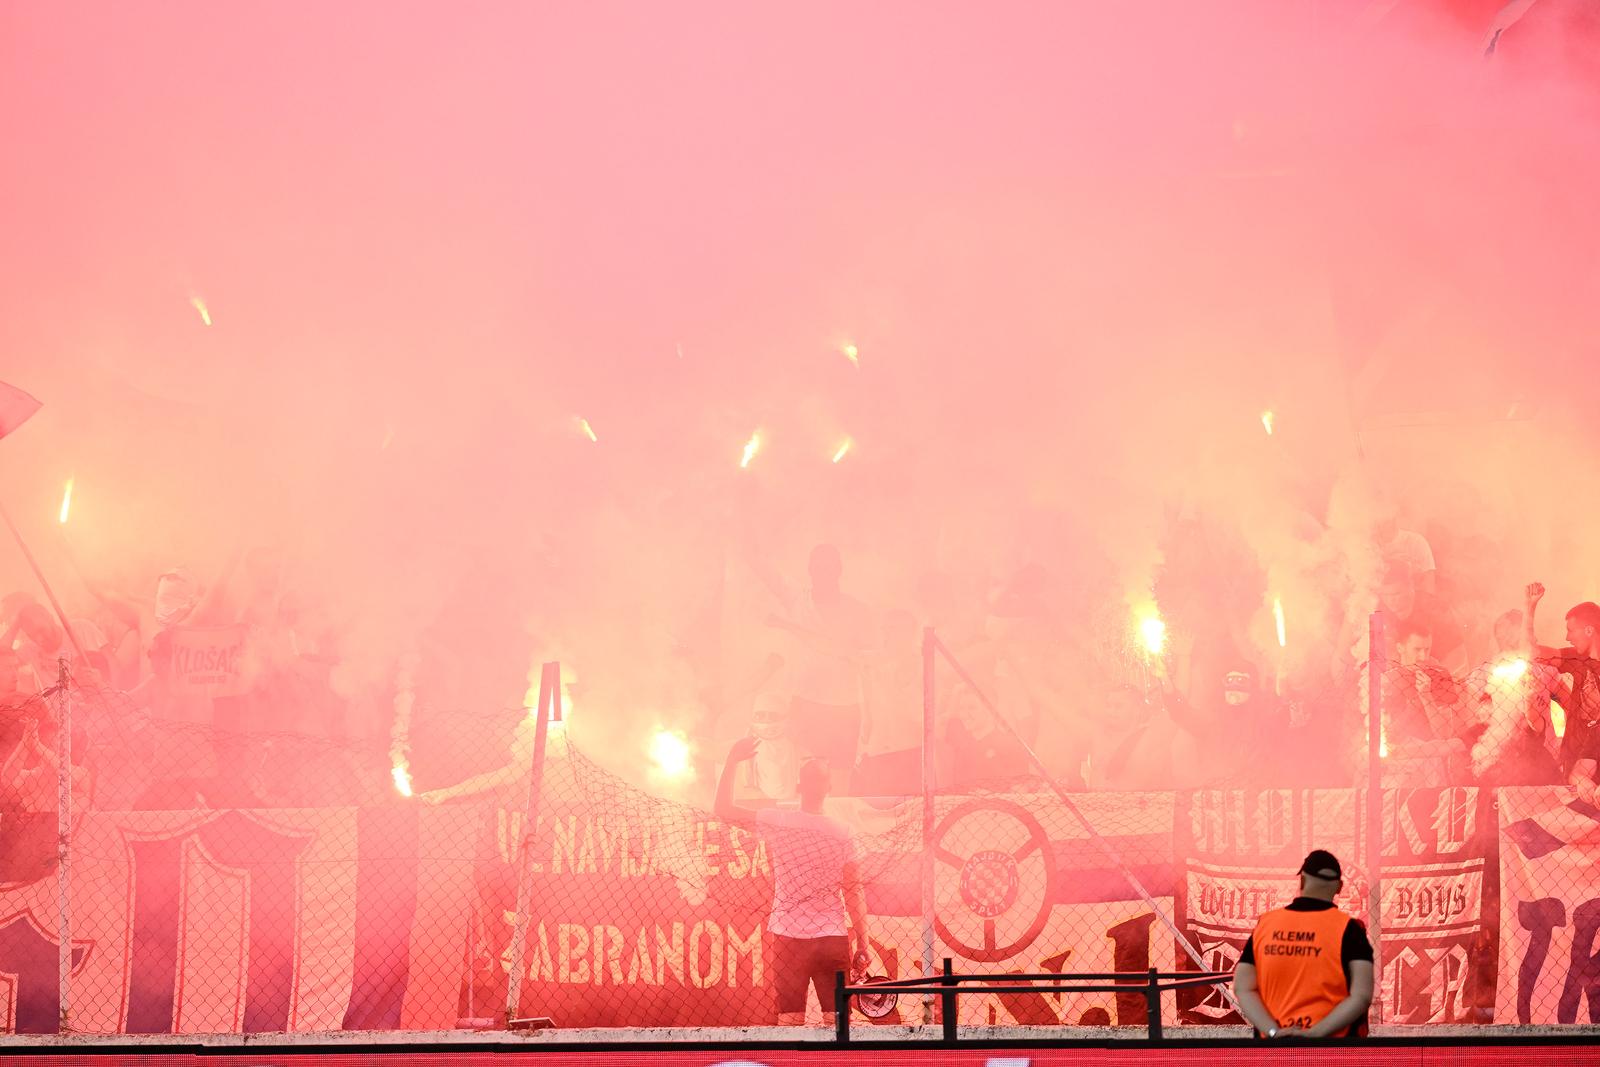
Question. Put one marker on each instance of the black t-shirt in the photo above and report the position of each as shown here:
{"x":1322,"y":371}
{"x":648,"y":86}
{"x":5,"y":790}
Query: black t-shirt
{"x":1579,"y":744}
{"x":1405,"y":716}
{"x":1355,"y":945}
{"x":1582,"y":736}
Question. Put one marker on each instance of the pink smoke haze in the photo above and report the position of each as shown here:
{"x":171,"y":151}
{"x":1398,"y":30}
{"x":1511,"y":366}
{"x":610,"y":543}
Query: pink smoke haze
{"x":498,"y":293}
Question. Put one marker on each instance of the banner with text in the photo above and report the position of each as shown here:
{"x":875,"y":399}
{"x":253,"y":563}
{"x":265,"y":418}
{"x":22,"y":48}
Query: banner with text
{"x":648,"y":913}
{"x":1550,"y":887}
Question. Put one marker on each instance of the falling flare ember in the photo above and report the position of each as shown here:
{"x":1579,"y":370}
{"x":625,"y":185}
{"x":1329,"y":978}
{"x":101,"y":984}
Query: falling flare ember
{"x":588,"y":431}
{"x":1267,"y":419}
{"x":200,"y":306}
{"x":66,"y":502}
{"x":852,"y":353}
{"x":1277,"y":617}
{"x":402,"y":780}
{"x":751,"y":447}
{"x":669,"y":755}
{"x":843,"y":451}
{"x":1153,"y":635}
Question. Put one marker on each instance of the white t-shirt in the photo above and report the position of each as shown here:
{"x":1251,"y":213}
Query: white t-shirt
{"x":776,"y":766}
{"x":894,"y":703}
{"x":808,"y":854}
{"x":827,"y":677}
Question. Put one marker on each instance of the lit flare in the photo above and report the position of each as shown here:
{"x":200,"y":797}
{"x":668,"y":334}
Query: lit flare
{"x":588,"y":431}
{"x":1510,"y":672}
{"x":669,"y":755}
{"x":852,"y":353}
{"x":751,"y":447}
{"x":1153,"y":634}
{"x":1277,"y":618}
{"x":200,"y":306}
{"x":402,"y":779}
{"x":843,"y":450}
{"x":1267,"y":419}
{"x":66,"y":502}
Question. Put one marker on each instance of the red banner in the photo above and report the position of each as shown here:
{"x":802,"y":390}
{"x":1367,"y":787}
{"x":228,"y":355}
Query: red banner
{"x":650,"y":914}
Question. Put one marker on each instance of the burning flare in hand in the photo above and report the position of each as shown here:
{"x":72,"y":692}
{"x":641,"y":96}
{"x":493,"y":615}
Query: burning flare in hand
{"x":1153,"y":634}
{"x":1510,"y":672}
{"x":669,"y":755}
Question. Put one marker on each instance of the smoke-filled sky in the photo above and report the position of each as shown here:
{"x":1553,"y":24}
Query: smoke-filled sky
{"x":1078,"y":249}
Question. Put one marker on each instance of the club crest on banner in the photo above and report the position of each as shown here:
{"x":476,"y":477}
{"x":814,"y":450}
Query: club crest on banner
{"x":994,"y":879}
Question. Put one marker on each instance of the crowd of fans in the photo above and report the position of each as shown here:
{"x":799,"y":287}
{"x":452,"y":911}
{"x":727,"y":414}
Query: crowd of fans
{"x":190,"y":697}
{"x":1029,"y":689}
{"x":222,"y":693}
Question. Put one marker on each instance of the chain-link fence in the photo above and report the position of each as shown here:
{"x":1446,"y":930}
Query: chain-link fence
{"x":225,"y":877}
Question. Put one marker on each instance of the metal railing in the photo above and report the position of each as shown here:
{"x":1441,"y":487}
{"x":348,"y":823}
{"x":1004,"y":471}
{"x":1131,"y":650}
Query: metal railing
{"x":949,"y":985}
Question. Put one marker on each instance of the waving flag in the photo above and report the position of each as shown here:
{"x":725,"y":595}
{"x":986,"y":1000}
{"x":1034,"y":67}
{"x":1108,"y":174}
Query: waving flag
{"x":16,"y":408}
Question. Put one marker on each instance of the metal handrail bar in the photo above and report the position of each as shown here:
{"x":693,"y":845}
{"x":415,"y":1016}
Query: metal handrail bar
{"x":931,"y":990}
{"x":948,"y":986}
{"x":1141,"y":977}
{"x":1055,"y":987}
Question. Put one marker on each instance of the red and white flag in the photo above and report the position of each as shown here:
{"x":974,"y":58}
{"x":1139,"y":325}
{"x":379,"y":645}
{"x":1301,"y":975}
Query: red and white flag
{"x":16,"y":408}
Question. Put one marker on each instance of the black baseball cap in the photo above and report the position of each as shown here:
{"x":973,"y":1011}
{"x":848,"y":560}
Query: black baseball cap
{"x":1322,"y":864}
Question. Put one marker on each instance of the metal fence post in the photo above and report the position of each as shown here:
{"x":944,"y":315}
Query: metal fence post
{"x":929,"y":713}
{"x":64,"y":854}
{"x":841,"y":1009}
{"x":947,"y":1001}
{"x":549,"y":695}
{"x":1377,"y":657}
{"x":1152,"y":1001}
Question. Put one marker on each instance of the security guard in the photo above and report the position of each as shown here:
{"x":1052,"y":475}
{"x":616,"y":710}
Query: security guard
{"x":1307,"y":969}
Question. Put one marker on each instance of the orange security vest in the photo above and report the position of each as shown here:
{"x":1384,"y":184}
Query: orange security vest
{"x":1299,"y":974}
